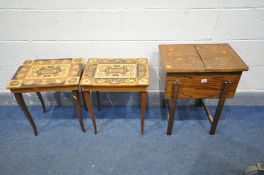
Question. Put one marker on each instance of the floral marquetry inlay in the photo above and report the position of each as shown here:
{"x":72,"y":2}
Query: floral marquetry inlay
{"x":111,"y":71}
{"x":47,"y":73}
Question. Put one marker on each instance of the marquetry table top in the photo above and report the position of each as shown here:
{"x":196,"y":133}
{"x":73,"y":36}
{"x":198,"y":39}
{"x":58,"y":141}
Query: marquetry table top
{"x":116,"y":72}
{"x":47,"y":73}
{"x":200,"y":58}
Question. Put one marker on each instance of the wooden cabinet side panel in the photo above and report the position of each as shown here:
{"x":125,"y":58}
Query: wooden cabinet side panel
{"x":201,"y":85}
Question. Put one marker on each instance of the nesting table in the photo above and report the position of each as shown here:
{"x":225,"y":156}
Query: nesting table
{"x":43,"y":75}
{"x":199,"y":71}
{"x":115,"y":75}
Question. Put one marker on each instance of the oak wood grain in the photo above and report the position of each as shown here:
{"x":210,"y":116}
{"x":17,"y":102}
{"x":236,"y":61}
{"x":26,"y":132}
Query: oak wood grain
{"x":180,"y":58}
{"x":220,"y":58}
{"x":202,"y":85}
{"x":193,"y":64}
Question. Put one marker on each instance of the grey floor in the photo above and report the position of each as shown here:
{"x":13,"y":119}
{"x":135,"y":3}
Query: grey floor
{"x":118,"y":148}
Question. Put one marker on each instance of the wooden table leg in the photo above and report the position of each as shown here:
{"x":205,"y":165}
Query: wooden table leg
{"x":173,"y":106}
{"x":76,"y":97}
{"x":219,"y":108}
{"x":41,"y":101}
{"x":164,"y":102}
{"x":88,"y":102}
{"x":198,"y":102}
{"x":143,"y":99}
{"x":23,"y":106}
{"x":85,"y":106}
{"x":98,"y":100}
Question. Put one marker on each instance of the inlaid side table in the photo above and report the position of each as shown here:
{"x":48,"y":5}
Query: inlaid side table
{"x":44,"y":75}
{"x":199,"y":71}
{"x":116,"y":75}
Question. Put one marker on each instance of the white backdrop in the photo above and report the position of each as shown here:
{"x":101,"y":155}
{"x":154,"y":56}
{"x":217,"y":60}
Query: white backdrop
{"x":129,"y":28}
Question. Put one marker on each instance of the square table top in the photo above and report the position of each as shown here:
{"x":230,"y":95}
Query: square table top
{"x":116,"y":72}
{"x":42,"y":73}
{"x":181,"y":58}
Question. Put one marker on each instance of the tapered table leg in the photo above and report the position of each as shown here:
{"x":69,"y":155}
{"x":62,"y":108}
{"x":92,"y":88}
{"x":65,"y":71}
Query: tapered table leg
{"x":88,"y":102}
{"x":41,"y":101}
{"x":173,"y":106}
{"x":198,"y":102}
{"x":143,"y":99}
{"x":85,"y":106}
{"x":23,"y":106}
{"x":219,"y":108}
{"x":164,"y":101}
{"x":98,"y":100}
{"x":76,"y":97}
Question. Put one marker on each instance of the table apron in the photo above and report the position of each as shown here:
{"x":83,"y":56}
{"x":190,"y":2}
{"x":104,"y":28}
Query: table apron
{"x":115,"y":89}
{"x":199,"y":86}
{"x":44,"y":89}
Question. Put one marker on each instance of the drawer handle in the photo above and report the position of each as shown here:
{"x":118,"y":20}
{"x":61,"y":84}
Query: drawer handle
{"x":204,"y":80}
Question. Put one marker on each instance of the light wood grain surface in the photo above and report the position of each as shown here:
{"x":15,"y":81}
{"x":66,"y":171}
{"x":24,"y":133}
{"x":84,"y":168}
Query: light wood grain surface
{"x":116,"y":72}
{"x":47,"y":74}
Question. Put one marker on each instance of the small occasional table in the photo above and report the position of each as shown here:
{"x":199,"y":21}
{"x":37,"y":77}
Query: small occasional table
{"x":116,"y":75}
{"x":43,"y":75}
{"x":199,"y":71}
